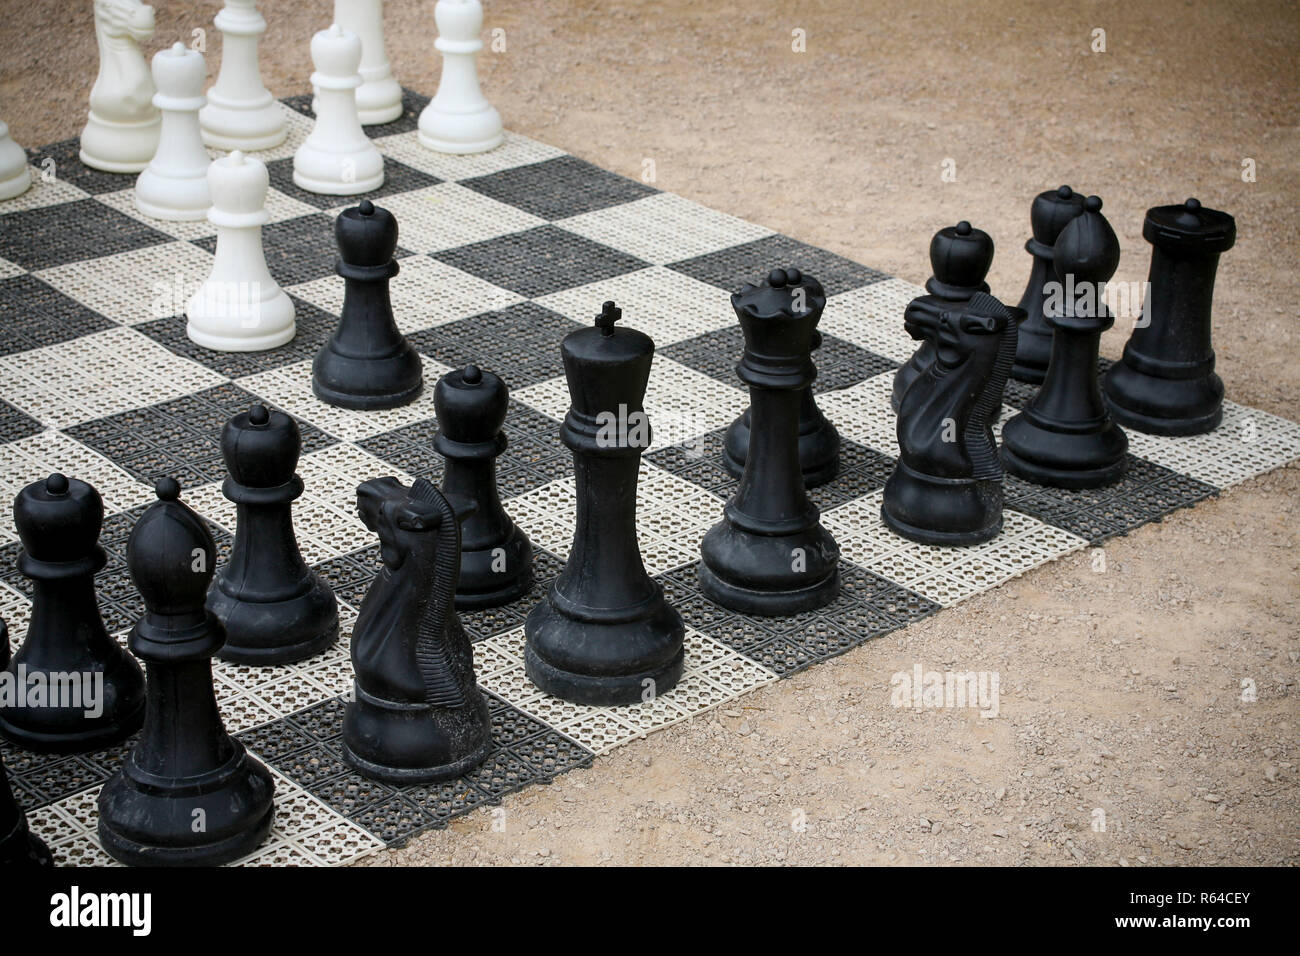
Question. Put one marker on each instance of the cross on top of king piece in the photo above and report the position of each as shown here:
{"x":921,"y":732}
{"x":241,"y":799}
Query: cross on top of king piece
{"x":603,"y":632}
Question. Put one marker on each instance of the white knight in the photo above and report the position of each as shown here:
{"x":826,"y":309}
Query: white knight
{"x":121,"y":133}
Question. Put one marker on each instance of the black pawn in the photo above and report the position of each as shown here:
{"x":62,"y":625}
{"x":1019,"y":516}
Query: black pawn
{"x":496,"y":558}
{"x":770,"y":554}
{"x":417,"y":715}
{"x":18,"y":845}
{"x":1165,"y":383}
{"x":960,"y":256}
{"x":367,"y":363}
{"x":1065,"y":437}
{"x":59,"y":521}
{"x":819,"y":442}
{"x":946,"y":487}
{"x":188,"y":794}
{"x":604,"y":633}
{"x":275,"y":609}
{"x":1048,"y":215}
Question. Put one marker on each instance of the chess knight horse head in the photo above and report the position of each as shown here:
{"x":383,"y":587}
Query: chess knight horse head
{"x":947,"y":485}
{"x":124,"y":80}
{"x":417,"y":715}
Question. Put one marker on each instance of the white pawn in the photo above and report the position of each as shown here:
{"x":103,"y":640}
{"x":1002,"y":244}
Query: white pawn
{"x":241,"y":113}
{"x":240,"y":308}
{"x":379,"y":97}
{"x":174,"y":186}
{"x":337,"y":159}
{"x":15,"y":177}
{"x":121,"y":132}
{"x":459,"y":119}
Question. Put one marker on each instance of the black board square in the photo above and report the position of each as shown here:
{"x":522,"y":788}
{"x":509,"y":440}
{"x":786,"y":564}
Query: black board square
{"x":50,"y":236}
{"x":732,"y":267}
{"x":559,"y":188}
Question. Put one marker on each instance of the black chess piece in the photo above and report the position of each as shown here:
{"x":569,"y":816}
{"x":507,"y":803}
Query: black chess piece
{"x":819,"y":441}
{"x":946,"y":487}
{"x":18,"y":845}
{"x":1065,"y":436}
{"x":274,"y":608}
{"x":367,"y":363}
{"x":960,"y":256}
{"x":496,"y":558}
{"x":1048,"y":215}
{"x":188,"y":794}
{"x":604,"y":633}
{"x":75,"y":688}
{"x":1165,"y":383}
{"x":770,"y":555}
{"x":417,"y":714}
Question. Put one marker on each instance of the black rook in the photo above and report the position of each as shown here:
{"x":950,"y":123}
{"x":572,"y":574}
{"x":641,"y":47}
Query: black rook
{"x":604,"y":633}
{"x":770,"y":554}
{"x":1165,"y":384}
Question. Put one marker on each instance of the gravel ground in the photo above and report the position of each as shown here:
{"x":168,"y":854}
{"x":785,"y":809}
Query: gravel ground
{"x":1120,"y":690}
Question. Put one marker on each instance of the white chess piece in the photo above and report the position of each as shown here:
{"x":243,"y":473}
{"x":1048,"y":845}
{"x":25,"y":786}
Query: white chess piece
{"x":337,"y":159}
{"x":15,"y":177}
{"x":379,"y":97}
{"x":240,"y":308}
{"x":459,"y":119}
{"x":241,"y":113}
{"x":121,"y":132}
{"x":174,"y":186}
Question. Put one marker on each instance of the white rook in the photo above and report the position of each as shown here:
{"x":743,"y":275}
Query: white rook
{"x":174,"y":186}
{"x":240,"y":308}
{"x":337,"y":159}
{"x":121,"y":132}
{"x":241,"y":113}
{"x":459,"y":119}
{"x":379,"y":97}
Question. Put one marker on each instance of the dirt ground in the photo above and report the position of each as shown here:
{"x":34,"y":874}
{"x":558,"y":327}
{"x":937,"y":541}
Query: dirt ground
{"x":1121,"y":690}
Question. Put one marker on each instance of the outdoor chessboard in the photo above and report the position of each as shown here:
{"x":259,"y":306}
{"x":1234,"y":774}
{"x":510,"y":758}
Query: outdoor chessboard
{"x":501,"y":255}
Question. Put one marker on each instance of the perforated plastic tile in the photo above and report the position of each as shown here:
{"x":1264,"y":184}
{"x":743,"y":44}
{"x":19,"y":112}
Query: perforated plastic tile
{"x":732,"y":267}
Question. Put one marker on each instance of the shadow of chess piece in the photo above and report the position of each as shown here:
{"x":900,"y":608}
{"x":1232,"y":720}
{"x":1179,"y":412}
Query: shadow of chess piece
{"x":496,"y":558}
{"x":946,"y":487}
{"x":75,"y":689}
{"x":770,"y":555}
{"x":960,"y":257}
{"x":1165,"y":383}
{"x":819,"y":442}
{"x":1065,"y":437}
{"x":604,"y":634}
{"x":367,"y":363}
{"x":417,"y":715}
{"x":189,"y":794}
{"x":1048,"y":215}
{"x":18,"y":845}
{"x":275,"y":609}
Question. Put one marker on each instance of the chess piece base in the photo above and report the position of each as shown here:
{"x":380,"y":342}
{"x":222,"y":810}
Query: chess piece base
{"x":1158,"y":405}
{"x":17,"y":184}
{"x":379,"y":103}
{"x":460,"y":132}
{"x":278,"y":313}
{"x":408,"y":744}
{"x":954,"y":511}
{"x":43,"y":734}
{"x":366,"y":402}
{"x":278,"y":632}
{"x":333,"y":187}
{"x":622,"y":659}
{"x":119,"y":147}
{"x":769,"y":603}
{"x":481,"y":586}
{"x":236,"y":799}
{"x":249,"y":128}
{"x":1089,"y":459}
{"x":752,"y":571}
{"x":173,"y":200}
{"x":819,"y":450}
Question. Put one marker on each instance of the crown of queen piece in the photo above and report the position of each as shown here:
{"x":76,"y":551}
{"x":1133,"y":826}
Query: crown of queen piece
{"x":261,"y":447}
{"x":336,"y":54}
{"x":59,"y":518}
{"x":239,"y":185}
{"x":367,"y":236}
{"x":779,"y":317}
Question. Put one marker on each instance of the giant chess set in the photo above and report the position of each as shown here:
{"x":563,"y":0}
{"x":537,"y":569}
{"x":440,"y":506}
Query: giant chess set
{"x":371,"y":462}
